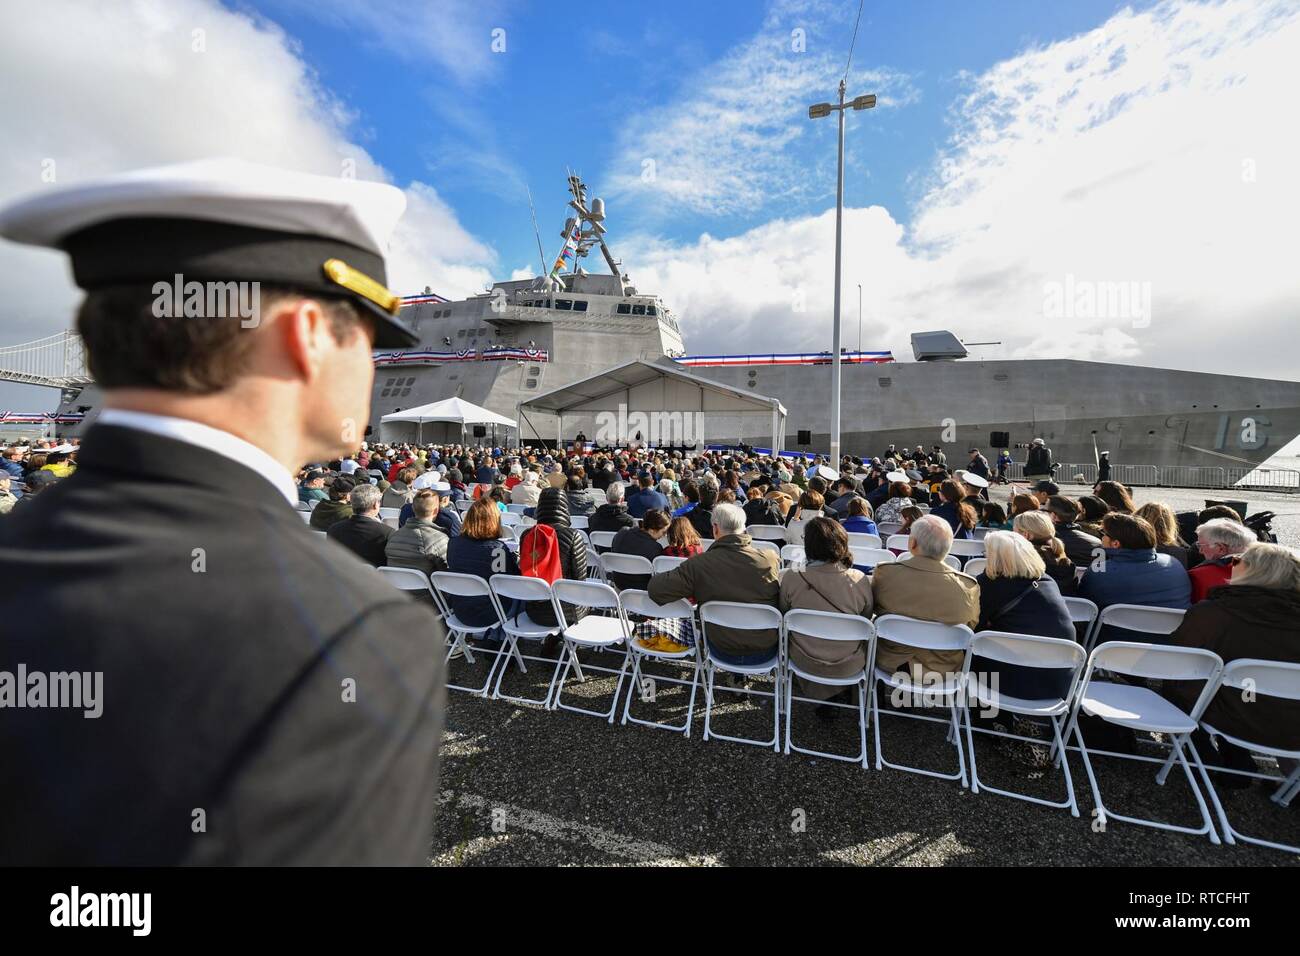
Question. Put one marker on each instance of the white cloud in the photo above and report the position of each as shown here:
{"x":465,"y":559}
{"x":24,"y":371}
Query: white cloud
{"x":1155,"y":149}
{"x":100,"y":88}
{"x":737,"y":142}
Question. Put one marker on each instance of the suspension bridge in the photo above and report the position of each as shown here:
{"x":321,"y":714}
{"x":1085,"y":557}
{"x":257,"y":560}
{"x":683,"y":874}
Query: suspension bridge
{"x":57,"y":361}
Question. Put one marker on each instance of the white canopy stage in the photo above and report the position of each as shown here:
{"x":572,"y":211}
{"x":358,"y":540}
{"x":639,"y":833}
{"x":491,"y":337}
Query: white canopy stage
{"x":662,"y":402}
{"x":454,"y":411}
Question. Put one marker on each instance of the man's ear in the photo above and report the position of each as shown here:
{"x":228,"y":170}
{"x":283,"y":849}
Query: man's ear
{"x":305,"y":335}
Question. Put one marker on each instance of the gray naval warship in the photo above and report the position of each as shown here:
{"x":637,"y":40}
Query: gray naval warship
{"x":520,"y":339}
{"x":523,"y":338}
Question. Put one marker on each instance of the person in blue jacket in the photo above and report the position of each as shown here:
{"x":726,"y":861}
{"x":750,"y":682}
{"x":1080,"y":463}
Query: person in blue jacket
{"x":1134,"y":572}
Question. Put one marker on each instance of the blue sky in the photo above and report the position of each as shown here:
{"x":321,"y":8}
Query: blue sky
{"x":481,"y":127}
{"x":1018,"y":147}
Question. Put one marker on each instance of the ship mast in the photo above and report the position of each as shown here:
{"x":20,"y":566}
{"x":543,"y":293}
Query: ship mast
{"x":581,"y":232}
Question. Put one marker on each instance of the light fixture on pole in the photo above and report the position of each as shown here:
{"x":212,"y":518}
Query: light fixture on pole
{"x":817,"y":111}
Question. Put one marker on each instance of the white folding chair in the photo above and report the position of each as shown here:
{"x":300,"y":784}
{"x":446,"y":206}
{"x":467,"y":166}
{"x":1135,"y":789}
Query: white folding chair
{"x":793,"y":556}
{"x":592,"y":631}
{"x":1269,"y":679}
{"x":767,"y":546}
{"x":1160,"y":621}
{"x":981,"y":533}
{"x":888,"y":529}
{"x":509,"y":519}
{"x":666,"y":562}
{"x":306,"y":516}
{"x":451,"y":584}
{"x":312,"y":503}
{"x":898,"y":542}
{"x":391,"y":522}
{"x":766,"y":532}
{"x":517,"y":627}
{"x":976,"y":566}
{"x":625,"y":564}
{"x":1022,"y":650}
{"x":578,"y":521}
{"x":794,"y":530}
{"x":393,"y":513}
{"x":639,"y":602}
{"x":1139,"y":708}
{"x":828,"y":626}
{"x":922,"y":635}
{"x":748,"y":617}
{"x":1082,"y":611}
{"x":601,"y":539}
{"x":860,"y":539}
{"x":870,"y":557}
{"x":464,"y":505}
{"x":705,"y":544}
{"x":320,"y":534}
{"x":517,"y":509}
{"x":966,"y":548}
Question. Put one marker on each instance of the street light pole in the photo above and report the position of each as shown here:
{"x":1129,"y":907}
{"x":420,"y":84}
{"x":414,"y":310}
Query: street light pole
{"x":859,"y":317}
{"x":816,"y":112}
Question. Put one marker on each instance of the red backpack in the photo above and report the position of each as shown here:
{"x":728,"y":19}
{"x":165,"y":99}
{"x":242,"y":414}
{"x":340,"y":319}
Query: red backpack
{"x":539,"y":554}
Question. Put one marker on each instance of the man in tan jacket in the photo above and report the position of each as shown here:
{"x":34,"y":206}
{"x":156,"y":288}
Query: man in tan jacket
{"x":731,"y":570}
{"x":925,"y":588}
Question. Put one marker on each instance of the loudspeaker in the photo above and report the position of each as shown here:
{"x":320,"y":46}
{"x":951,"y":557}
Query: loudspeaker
{"x":805,"y":437}
{"x":369,"y":430}
{"x":480,"y":431}
{"x":1000,"y":439}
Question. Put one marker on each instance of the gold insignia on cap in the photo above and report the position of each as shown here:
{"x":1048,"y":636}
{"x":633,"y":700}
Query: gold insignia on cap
{"x":343,"y":274}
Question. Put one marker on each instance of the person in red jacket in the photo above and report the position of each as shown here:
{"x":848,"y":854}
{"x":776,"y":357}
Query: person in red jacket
{"x":1219,"y":541}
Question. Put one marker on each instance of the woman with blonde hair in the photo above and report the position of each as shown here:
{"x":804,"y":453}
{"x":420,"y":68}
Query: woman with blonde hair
{"x":1168,"y":542}
{"x":1037,"y":527}
{"x":683,"y":539}
{"x":1255,"y":615}
{"x":1017,"y":595}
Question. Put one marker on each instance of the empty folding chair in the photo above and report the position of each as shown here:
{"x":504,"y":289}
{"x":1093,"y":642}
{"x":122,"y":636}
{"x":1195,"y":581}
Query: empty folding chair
{"x":793,"y":556}
{"x":601,"y":540}
{"x":964,"y":549}
{"x":1083,"y":614}
{"x":898,"y":543}
{"x":666,"y":562}
{"x":452,"y":584}
{"x":578,"y":521}
{"x":828,"y":626}
{"x":507,"y":588}
{"x":638,"y":602}
{"x":1139,"y":708}
{"x":409,"y":579}
{"x":1268,"y":679}
{"x":517,"y":509}
{"x":736,"y":615}
{"x":1023,"y":650}
{"x":860,"y":539}
{"x":592,"y":631}
{"x":1139,"y":618}
{"x":870,"y":557}
{"x":509,"y":520}
{"x":766,"y":532}
{"x":930,"y":636}
{"x":625,"y":564}
{"x":306,"y":516}
{"x":975,"y":566}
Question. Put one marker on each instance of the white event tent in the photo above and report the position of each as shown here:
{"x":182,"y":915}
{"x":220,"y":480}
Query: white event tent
{"x":451,"y":411}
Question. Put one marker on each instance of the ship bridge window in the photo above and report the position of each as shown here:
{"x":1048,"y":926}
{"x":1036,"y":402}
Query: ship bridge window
{"x":580,"y":305}
{"x":651,"y":310}
{"x":460,"y":333}
{"x":638,"y":310}
{"x":564,"y":305}
{"x":389,"y":383}
{"x":624,"y":309}
{"x":411,"y":380}
{"x":885,"y":382}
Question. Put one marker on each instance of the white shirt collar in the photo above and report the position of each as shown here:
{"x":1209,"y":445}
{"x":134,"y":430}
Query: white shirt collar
{"x":213,"y":439}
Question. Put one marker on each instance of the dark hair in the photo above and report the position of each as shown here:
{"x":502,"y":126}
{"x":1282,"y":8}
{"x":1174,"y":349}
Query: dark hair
{"x":482,"y":521}
{"x":1067,"y":509}
{"x":994,"y":513}
{"x":825,"y":540}
{"x":1218,"y":511}
{"x":953,"y":493}
{"x":653,"y":520}
{"x":859,"y":506}
{"x":1115,"y":495}
{"x":708,"y":496}
{"x":128,"y":346}
{"x":900,"y":489}
{"x":1094,"y":508}
{"x":1129,"y":530}
{"x":690,"y":489}
{"x":1022,"y":503}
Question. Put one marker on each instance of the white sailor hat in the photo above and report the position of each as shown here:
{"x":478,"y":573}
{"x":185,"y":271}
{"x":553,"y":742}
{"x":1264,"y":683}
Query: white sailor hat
{"x":897,"y":476}
{"x":225,"y":220}
{"x":443,"y":488}
{"x":974,"y":480}
{"x":830,"y":474}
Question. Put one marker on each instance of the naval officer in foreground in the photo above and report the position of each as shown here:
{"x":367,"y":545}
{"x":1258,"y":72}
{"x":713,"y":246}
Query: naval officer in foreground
{"x":263,"y":696}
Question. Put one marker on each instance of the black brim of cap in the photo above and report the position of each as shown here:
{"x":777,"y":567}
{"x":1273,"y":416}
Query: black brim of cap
{"x":390,"y":331}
